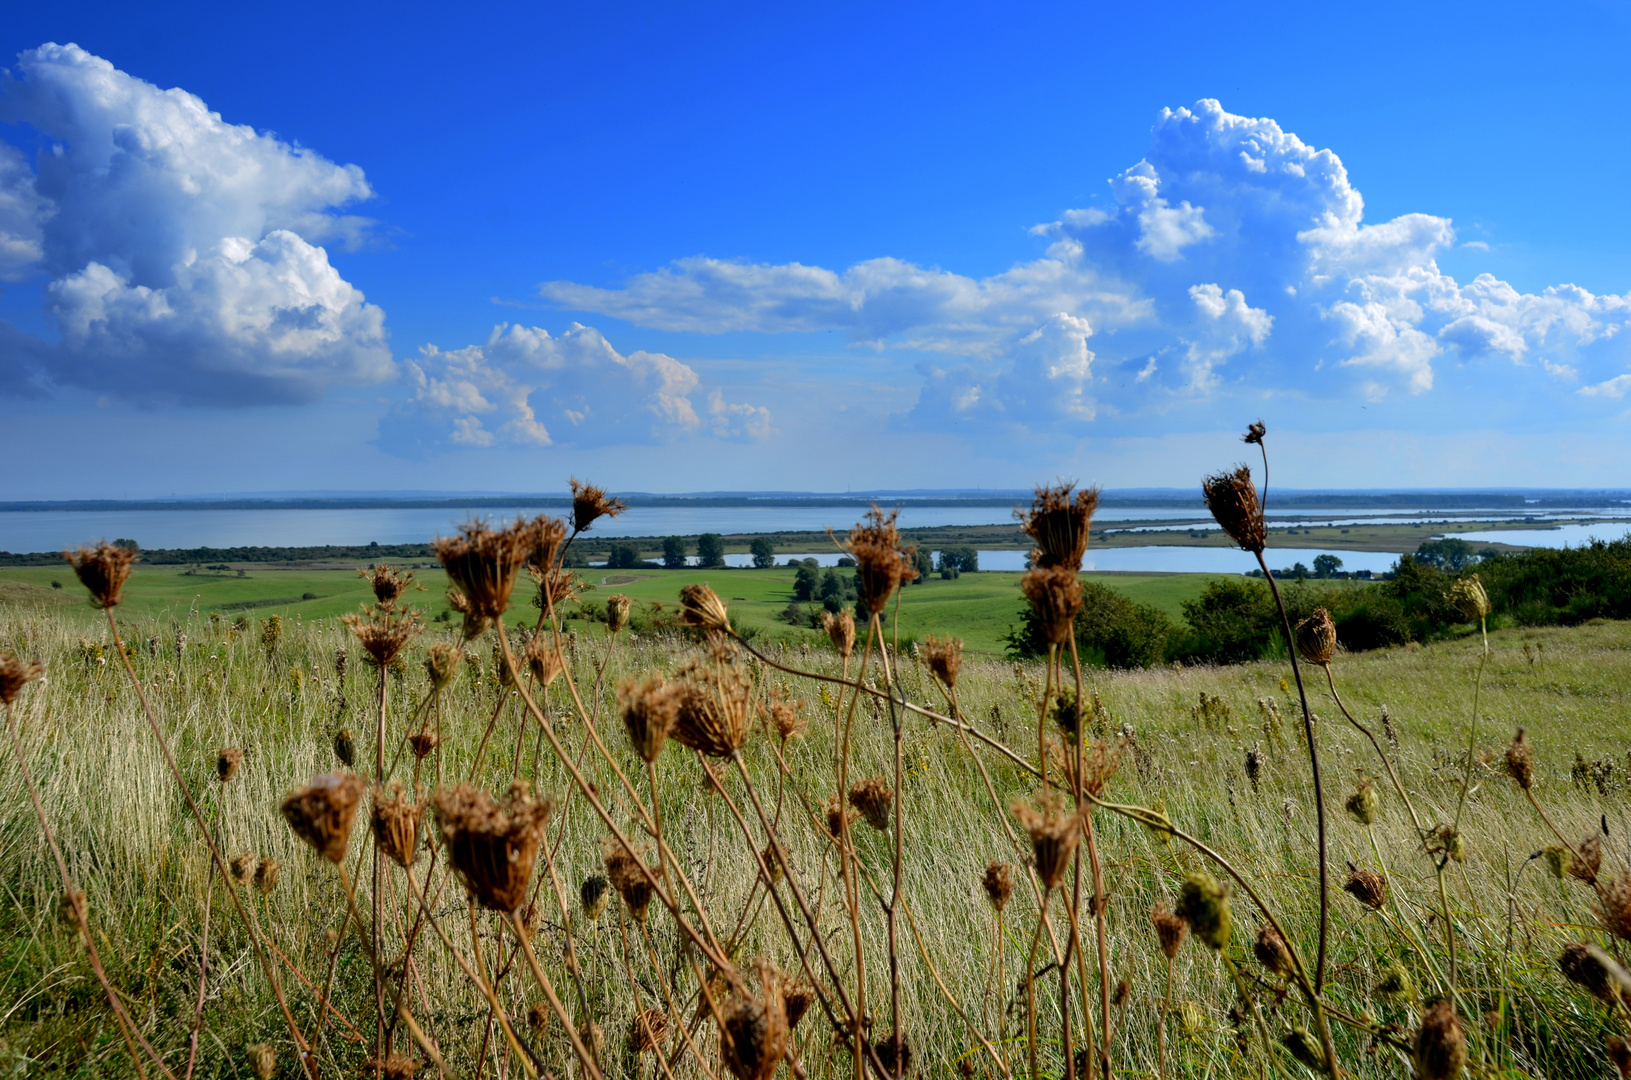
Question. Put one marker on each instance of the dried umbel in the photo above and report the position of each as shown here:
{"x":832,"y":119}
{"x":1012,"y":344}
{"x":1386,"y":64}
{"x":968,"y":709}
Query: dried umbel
{"x":242,"y":868}
{"x":873,"y":799}
{"x":618,"y":607}
{"x":1054,"y":833}
{"x":1366,"y":886}
{"x":382,"y":636}
{"x":942,"y":658}
{"x":266,"y":875}
{"x":894,"y":1054}
{"x":1396,"y":982}
{"x":396,"y":824}
{"x":388,"y":584}
{"x":1305,"y":1048}
{"x":1446,"y":840}
{"x":72,"y":908}
{"x":1317,"y":638}
{"x":797,"y":999}
{"x":1588,"y":859}
{"x":1469,"y":598}
{"x":262,"y":1060}
{"x":1254,"y":433}
{"x":754,"y":1029}
{"x":702,"y":608}
{"x":544,"y":658}
{"x":1441,"y":1045}
{"x":482,"y":562}
{"x":1614,"y":907}
{"x":1170,"y":929}
{"x":16,"y":674}
{"x":649,"y":706}
{"x":1055,"y":595}
{"x":647,"y":1029}
{"x":1204,"y":904}
{"x":394,"y":1067}
{"x":1596,"y":972}
{"x":474,"y":623}
{"x":1192,"y":1019}
{"x":422,"y":742}
{"x":555,"y":587}
{"x":492,"y":845}
{"x":1271,"y":951}
{"x":545,"y":535}
{"x":1254,"y":765}
{"x":590,"y":504}
{"x":783,"y":716}
{"x":1520,"y":761}
{"x":634,"y":881}
{"x":1059,"y":522}
{"x":593,"y":894}
{"x":103,"y":570}
{"x":1364,"y":802}
{"x":880,"y":565}
{"x":838,"y":817}
{"x":227,"y":762}
{"x":538,"y":1017}
{"x":321,"y":813}
{"x":714,"y":714}
{"x":345,"y":747}
{"x":840,"y":630}
{"x":999,"y":884}
{"x":441,"y":665}
{"x":1232,"y":499}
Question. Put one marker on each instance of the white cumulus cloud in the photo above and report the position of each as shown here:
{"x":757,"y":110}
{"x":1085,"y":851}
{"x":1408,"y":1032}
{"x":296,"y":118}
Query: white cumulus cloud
{"x":181,"y":253}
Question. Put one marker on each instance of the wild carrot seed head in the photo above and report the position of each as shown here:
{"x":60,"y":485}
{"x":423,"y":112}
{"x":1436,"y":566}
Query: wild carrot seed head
{"x":103,"y":570}
{"x":1058,"y":522}
{"x":649,"y":706}
{"x":492,"y":845}
{"x":321,"y":813}
{"x":873,"y":799}
{"x":1232,"y":499}
{"x":590,"y":504}
{"x":482,"y":563}
{"x":396,"y":824}
{"x":1317,"y":638}
{"x":16,"y":674}
{"x":1441,"y":1044}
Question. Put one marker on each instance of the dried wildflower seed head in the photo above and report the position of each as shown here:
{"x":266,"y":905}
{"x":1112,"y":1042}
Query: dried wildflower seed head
{"x":388,"y":584}
{"x":1170,"y":928}
{"x":838,"y":816}
{"x":1596,"y":972}
{"x":894,"y":1054}
{"x":345,"y":747}
{"x":16,"y":674}
{"x":783,"y":715}
{"x":544,"y":659}
{"x":1059,"y":524}
{"x":1469,"y":598}
{"x":482,"y":562}
{"x":1204,"y":904}
{"x":492,"y":845}
{"x":872,"y":798}
{"x":1588,"y":859}
{"x":754,"y":1029}
{"x":840,"y":631}
{"x":590,"y":504}
{"x":1254,"y":765}
{"x":394,"y":1067}
{"x":942,"y":658}
{"x":1271,"y":951}
{"x":1366,"y":886}
{"x":103,"y":570}
{"x":227,"y":761}
{"x":797,"y":999}
{"x":72,"y":907}
{"x":555,"y":588}
{"x":262,"y":1060}
{"x":774,"y":863}
{"x":879,"y":564}
{"x":1192,"y":1019}
{"x":649,"y":706}
{"x":1054,"y":833}
{"x":545,"y":535}
{"x":1441,"y":1045}
{"x":382,"y":637}
{"x":1520,"y":761}
{"x":999,"y":884}
{"x":714,"y":714}
{"x":1396,"y":981}
{"x":1446,"y":840}
{"x":618,"y":607}
{"x":396,"y":824}
{"x":441,"y":665}
{"x":1254,"y":433}
{"x":593,"y":894}
{"x":1614,"y":907}
{"x":1305,"y":1048}
{"x":538,"y":1017}
{"x":634,"y":880}
{"x":1317,"y":638}
{"x":1363,"y":803}
{"x":1232,"y":498}
{"x":647,"y":1029}
{"x":321,"y":813}
{"x":243,"y":868}
{"x":1055,"y":595}
{"x":422,"y":742}
{"x":702,"y":608}
{"x":266,"y":875}
{"x":475,"y":623}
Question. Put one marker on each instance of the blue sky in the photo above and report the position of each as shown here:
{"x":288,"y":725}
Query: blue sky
{"x":742,"y":246}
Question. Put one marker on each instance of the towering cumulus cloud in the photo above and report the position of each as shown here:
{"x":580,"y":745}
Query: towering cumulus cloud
{"x":1233,"y":255}
{"x":182,"y":255}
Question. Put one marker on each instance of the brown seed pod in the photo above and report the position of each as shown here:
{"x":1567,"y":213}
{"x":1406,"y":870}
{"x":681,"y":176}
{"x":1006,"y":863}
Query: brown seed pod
{"x":754,"y":1029}
{"x":1520,"y":761}
{"x":649,"y":706}
{"x":1317,"y":638}
{"x":873,"y":799}
{"x":394,"y":1067}
{"x":702,"y":608}
{"x":999,"y":884}
{"x":1441,"y":1044}
{"x":103,"y":570}
{"x":543,"y":658}
{"x":1054,"y":833}
{"x":538,"y":1017}
{"x":266,"y":875}
{"x":894,"y":1054}
{"x":942,"y":658}
{"x":634,"y":880}
{"x":1271,"y":951}
{"x":1469,"y":597}
{"x":482,"y":563}
{"x":16,"y":674}
{"x":1614,"y":907}
{"x":880,"y":566}
{"x":227,"y":761}
{"x":593,"y":894}
{"x":590,"y":504}
{"x":545,"y":535}
{"x":1059,"y":524}
{"x":396,"y":824}
{"x":783,"y":715}
{"x":422,"y":742}
{"x":1619,"y":1052}
{"x":1204,"y":904}
{"x":1254,"y":433}
{"x":243,"y":868}
{"x":321,"y":813}
{"x":618,"y":607}
{"x":647,"y":1029}
{"x":1364,"y":802}
{"x":382,"y":636}
{"x":840,"y":630}
{"x":1588,"y":859}
{"x":492,"y":845}
{"x":345,"y":747}
{"x":1596,"y":972}
{"x":797,"y":999}
{"x":1366,"y":886}
{"x":1170,"y":929}
{"x":441,"y":665}
{"x":1055,"y":595}
{"x":388,"y":584}
{"x":838,"y":816}
{"x":1232,"y":499}
{"x":713,"y":716}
